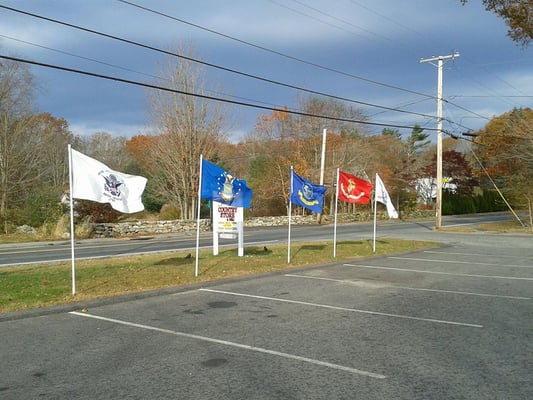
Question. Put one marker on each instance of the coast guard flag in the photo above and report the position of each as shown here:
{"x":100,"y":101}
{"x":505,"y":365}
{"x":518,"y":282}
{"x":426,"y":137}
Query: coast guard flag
{"x":383,"y":197}
{"x":353,"y":189}
{"x":221,"y":186}
{"x":306,"y":194}
{"x":93,"y":180}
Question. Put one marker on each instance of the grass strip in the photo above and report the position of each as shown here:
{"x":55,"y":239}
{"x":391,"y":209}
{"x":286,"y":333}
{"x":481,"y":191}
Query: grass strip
{"x":28,"y":287}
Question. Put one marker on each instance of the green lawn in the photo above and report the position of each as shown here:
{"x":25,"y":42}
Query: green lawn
{"x":44,"y":285}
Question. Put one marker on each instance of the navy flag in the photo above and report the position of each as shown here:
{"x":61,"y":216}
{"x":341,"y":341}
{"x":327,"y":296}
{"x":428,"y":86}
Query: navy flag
{"x":221,"y":186}
{"x":306,"y":194}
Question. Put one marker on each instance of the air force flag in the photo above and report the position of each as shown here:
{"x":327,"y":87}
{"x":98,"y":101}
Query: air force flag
{"x":219,"y":185}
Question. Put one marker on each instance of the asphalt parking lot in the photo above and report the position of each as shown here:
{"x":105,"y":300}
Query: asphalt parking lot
{"x":454,"y":322}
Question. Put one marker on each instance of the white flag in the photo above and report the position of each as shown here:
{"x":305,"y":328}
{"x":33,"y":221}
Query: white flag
{"x":93,"y":180}
{"x":383,"y":197}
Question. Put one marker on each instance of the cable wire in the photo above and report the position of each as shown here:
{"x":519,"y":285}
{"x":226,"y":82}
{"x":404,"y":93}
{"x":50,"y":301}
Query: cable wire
{"x":240,"y":103}
{"x":131,"y":42}
{"x":329,"y":69}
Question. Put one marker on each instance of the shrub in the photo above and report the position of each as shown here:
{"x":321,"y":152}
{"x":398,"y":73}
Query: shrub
{"x":169,"y":212}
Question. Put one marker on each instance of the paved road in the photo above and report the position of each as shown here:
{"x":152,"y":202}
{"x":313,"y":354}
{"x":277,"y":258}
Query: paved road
{"x":27,"y":253}
{"x":453,"y":322}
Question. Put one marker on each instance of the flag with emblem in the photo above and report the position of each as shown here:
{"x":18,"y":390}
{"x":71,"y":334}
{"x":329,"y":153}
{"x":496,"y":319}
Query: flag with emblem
{"x":219,"y":185}
{"x":307,"y":194}
{"x":93,"y":180}
{"x":353,"y":189}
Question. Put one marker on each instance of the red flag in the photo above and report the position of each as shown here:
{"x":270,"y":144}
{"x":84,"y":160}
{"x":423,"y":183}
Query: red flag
{"x":353,"y":189}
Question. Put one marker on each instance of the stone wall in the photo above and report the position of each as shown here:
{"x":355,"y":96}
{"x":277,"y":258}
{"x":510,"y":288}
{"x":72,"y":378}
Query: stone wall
{"x":140,"y":228}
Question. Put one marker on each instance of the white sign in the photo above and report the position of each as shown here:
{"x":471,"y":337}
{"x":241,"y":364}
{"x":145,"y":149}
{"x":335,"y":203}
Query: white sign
{"x":227,"y":224}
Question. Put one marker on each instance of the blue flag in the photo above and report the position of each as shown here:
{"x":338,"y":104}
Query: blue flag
{"x":307,"y":194}
{"x":221,"y":186}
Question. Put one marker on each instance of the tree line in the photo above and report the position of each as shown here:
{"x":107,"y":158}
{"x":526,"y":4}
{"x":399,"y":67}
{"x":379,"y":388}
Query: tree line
{"x":34,"y":160}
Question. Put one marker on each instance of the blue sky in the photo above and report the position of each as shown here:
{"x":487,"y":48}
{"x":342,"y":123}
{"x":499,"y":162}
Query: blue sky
{"x":381,"y":41}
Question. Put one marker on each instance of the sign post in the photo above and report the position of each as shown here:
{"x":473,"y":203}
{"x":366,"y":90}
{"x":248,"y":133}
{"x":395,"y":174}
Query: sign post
{"x":228,"y":222}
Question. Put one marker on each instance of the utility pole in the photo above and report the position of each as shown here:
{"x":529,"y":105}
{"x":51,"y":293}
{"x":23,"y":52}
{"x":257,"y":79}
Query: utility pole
{"x":440,"y":62}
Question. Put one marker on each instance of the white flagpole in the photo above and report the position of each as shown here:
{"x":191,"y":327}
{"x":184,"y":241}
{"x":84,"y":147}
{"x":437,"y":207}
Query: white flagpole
{"x":71,"y":200}
{"x":290,"y":212}
{"x":198,"y":216}
{"x":335,"y":220}
{"x":375,"y":212}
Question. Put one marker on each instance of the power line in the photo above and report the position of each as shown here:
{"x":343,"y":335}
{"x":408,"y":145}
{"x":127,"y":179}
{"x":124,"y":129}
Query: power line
{"x":118,"y":66}
{"x":131,"y":42}
{"x":275,"y":51}
{"x":393,"y":109}
{"x":239,"y":103}
{"x":424,"y":37}
{"x":491,"y":96}
{"x":326,"y":15}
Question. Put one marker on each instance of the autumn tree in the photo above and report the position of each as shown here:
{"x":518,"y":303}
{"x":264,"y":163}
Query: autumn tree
{"x":273,"y":147}
{"x":456,"y":170}
{"x":398,"y":161}
{"x":518,"y":15}
{"x":33,"y":152}
{"x":188,"y":126}
{"x":280,"y":140}
{"x":141,"y":162}
{"x":311,"y":129}
{"x":505,"y":149}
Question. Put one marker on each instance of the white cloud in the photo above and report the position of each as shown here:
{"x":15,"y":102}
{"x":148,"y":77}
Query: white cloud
{"x":89,"y":128}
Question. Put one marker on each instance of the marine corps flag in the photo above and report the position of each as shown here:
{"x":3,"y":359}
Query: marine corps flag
{"x":353,"y":189}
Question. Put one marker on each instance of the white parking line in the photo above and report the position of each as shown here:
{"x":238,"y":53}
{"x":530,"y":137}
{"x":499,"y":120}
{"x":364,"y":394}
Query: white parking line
{"x":411,"y":288}
{"x":233,"y":344}
{"x":460,"y":262}
{"x":439,"y":272}
{"x":473,"y":254}
{"x":304,"y":303}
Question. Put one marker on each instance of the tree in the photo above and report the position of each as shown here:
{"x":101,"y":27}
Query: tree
{"x":505,"y":149}
{"x":399,"y":161}
{"x":417,"y":141}
{"x":141,"y":162}
{"x":311,"y":129}
{"x":187,"y":127}
{"x":280,"y":140}
{"x":456,"y":170}
{"x":19,"y":146}
{"x":518,"y":15}
{"x":108,"y":149}
{"x":273,"y":147}
{"x":391,"y":132}
{"x":53,"y":150}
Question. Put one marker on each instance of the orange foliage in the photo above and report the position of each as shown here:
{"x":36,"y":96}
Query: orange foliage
{"x":141,"y":148}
